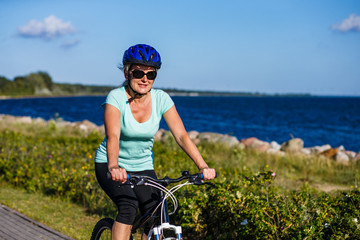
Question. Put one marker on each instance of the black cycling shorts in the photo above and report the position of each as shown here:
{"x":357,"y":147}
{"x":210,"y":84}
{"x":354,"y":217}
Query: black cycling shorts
{"x":126,"y":198}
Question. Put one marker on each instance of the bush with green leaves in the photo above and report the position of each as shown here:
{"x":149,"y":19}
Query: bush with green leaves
{"x":247,"y":203}
{"x":254,"y":209}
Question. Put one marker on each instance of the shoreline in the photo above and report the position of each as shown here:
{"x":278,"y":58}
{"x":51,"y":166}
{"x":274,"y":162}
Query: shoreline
{"x":177,"y":95}
{"x":181,"y":93}
{"x":47,"y":96}
{"x":294,"y":146}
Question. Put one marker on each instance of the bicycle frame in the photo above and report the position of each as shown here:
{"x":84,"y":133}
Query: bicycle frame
{"x":156,"y":231}
{"x":161,"y":209}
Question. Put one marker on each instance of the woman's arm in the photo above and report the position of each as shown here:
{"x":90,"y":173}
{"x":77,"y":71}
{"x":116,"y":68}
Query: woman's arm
{"x":177,"y":129}
{"x":112,"y":131}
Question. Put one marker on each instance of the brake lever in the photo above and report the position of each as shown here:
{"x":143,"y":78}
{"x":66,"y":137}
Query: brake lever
{"x":135,"y":180}
{"x":141,"y":181}
{"x":196,"y":180}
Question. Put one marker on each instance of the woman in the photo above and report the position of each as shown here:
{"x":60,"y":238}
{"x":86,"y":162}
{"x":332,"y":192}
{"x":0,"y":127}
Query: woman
{"x":132,"y":117}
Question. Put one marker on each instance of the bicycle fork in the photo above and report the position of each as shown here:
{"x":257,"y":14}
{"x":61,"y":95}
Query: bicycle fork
{"x":157,"y":231}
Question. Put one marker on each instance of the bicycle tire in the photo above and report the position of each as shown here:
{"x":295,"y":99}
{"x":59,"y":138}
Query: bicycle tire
{"x":170,"y":238}
{"x":102,"y":229}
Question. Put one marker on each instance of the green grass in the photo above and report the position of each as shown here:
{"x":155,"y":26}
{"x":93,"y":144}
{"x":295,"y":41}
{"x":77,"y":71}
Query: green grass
{"x":55,"y":166}
{"x":64,"y":216}
{"x":292,"y":171}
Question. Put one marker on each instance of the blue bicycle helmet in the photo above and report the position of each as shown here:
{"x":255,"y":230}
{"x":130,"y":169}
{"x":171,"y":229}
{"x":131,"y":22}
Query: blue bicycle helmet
{"x":142,"y":54}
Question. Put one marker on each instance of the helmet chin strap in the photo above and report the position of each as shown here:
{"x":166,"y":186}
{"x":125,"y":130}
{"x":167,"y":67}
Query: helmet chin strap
{"x":136,"y":93}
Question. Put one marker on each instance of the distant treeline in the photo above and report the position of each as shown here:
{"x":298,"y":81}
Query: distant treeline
{"x":41,"y":84}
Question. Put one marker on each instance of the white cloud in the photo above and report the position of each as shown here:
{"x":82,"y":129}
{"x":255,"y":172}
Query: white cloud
{"x":352,"y":23}
{"x":50,"y":28}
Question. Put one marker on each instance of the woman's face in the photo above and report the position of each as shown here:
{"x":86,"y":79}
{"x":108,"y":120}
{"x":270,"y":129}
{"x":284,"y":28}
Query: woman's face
{"x":142,"y":84}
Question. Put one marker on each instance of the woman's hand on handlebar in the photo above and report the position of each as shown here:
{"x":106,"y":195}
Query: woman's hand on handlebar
{"x":208,"y":173}
{"x":118,"y":174}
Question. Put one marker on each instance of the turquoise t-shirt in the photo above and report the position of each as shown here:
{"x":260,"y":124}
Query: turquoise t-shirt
{"x":136,"y":139}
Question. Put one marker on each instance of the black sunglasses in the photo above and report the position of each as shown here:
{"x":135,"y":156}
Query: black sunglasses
{"x":139,"y":74}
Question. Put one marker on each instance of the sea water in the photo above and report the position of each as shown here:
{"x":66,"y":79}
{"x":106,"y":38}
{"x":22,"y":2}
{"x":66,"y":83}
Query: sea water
{"x":316,"y":120}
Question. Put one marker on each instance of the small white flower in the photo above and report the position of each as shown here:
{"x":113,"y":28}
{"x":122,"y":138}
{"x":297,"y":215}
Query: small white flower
{"x":244,"y":222}
{"x":326,"y":225}
{"x":355,"y":220}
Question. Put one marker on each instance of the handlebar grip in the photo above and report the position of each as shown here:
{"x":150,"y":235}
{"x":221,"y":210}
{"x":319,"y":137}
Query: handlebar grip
{"x":108,"y":175}
{"x":202,"y":176}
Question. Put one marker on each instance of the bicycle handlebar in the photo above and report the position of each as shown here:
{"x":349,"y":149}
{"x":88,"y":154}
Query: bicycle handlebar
{"x":196,"y":179}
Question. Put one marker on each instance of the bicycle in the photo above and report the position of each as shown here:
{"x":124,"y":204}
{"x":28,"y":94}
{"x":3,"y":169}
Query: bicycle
{"x":102,"y":229}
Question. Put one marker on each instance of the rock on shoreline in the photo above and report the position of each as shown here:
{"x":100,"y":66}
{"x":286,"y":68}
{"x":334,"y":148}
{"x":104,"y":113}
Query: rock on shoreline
{"x":294,"y":146}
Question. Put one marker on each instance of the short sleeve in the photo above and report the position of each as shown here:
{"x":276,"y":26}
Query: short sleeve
{"x":113,"y":98}
{"x":166,"y":102}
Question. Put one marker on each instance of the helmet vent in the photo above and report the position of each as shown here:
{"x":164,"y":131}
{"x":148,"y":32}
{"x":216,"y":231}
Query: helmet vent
{"x":142,"y":55}
{"x":147,"y":50}
{"x":152,"y":56}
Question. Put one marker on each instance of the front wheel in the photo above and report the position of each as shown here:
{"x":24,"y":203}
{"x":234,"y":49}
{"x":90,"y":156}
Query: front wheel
{"x":161,"y":238}
{"x":102,"y":229}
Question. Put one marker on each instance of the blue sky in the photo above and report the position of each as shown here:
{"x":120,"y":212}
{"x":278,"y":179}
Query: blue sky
{"x":277,"y":46}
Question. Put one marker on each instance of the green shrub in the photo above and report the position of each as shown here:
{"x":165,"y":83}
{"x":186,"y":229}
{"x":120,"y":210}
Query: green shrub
{"x":247,"y":203}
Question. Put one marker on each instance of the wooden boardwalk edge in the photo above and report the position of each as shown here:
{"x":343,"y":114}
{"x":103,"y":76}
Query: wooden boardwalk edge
{"x":14,"y":225}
